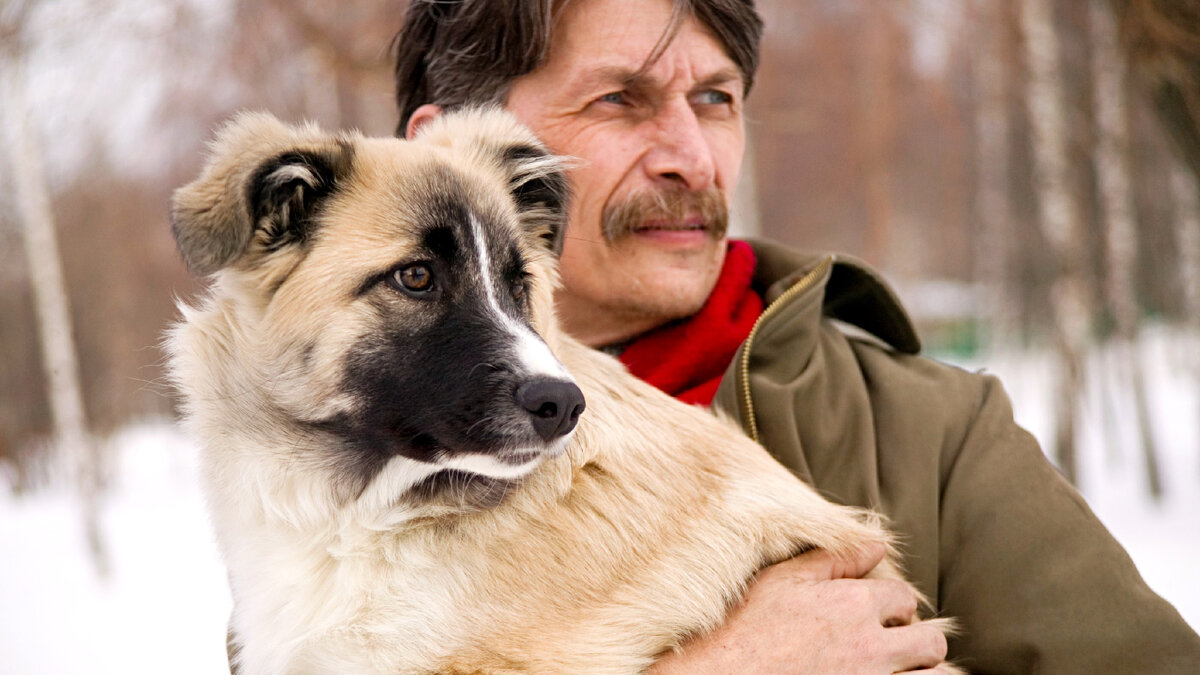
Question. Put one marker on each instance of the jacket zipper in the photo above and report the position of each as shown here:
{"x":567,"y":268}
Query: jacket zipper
{"x":801,"y":285}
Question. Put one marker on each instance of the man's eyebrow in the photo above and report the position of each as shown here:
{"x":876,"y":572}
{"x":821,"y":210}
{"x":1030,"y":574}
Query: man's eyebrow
{"x":639,"y":78}
{"x":604,"y":76}
{"x":722,"y":76}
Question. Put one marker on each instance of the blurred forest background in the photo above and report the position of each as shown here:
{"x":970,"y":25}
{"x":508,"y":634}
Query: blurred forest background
{"x":1025,"y":171}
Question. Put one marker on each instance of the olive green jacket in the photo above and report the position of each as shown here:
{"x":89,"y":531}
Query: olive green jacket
{"x":989,"y":530}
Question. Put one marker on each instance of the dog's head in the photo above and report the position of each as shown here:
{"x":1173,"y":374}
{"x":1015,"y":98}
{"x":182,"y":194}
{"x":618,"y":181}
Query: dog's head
{"x":384,"y":300}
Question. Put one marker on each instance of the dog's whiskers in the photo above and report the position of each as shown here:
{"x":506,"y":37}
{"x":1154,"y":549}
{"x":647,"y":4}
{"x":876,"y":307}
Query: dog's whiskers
{"x":482,"y":420}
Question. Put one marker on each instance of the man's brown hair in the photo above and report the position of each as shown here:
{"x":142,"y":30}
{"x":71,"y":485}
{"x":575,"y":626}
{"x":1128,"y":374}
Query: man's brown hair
{"x":458,"y":52}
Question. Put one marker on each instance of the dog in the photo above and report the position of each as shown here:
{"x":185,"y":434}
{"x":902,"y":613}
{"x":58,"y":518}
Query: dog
{"x":397,"y":460}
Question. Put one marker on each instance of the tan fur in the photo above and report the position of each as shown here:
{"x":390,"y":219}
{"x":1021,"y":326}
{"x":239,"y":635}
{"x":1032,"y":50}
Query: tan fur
{"x":641,"y":534}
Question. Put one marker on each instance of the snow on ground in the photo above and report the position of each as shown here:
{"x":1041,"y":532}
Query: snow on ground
{"x":164,"y":607}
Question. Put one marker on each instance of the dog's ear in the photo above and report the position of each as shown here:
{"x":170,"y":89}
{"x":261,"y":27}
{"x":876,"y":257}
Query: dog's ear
{"x":539,"y":185}
{"x":258,"y":193}
{"x":536,"y":178}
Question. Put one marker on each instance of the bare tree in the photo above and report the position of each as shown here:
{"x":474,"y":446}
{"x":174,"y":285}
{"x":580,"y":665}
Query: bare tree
{"x":744,"y":216}
{"x":338,"y":70}
{"x":47,"y":281}
{"x":877,"y":117}
{"x":994,"y":215}
{"x":1112,"y":162}
{"x":1059,"y":219}
{"x":1163,"y":38}
{"x":1185,"y":197}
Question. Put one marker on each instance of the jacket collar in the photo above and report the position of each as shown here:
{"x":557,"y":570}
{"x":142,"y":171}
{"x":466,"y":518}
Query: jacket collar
{"x":848,"y":291}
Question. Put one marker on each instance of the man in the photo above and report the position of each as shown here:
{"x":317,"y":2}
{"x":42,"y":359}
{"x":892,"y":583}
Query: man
{"x":648,"y":95}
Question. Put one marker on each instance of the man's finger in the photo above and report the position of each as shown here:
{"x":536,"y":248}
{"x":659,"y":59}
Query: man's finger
{"x":916,"y":647}
{"x":820,"y":565}
{"x":895,"y":600}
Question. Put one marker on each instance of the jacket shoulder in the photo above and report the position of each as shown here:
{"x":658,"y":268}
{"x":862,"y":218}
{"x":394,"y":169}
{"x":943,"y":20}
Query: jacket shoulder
{"x":854,"y":293}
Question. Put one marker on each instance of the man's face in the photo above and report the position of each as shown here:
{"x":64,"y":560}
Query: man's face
{"x":659,"y":151}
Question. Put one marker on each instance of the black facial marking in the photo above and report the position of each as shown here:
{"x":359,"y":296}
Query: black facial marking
{"x":444,"y":388}
{"x":440,"y":239}
{"x":517,"y":278}
{"x":360,"y":461}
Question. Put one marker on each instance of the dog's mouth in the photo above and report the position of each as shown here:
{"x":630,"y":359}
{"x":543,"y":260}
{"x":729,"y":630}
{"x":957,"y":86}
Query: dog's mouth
{"x":476,"y":480}
{"x":462,"y":489}
{"x":426,"y":447}
{"x":539,"y":453}
{"x":521,"y":457}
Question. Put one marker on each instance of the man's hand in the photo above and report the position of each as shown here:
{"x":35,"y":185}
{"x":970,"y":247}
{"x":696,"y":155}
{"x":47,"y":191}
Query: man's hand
{"x":815,"y":614}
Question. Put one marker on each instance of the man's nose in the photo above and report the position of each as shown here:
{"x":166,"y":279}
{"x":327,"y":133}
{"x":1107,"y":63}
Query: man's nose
{"x":680,"y":155}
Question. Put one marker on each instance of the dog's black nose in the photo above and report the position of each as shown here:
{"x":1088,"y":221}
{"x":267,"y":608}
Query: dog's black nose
{"x":553,"y":406}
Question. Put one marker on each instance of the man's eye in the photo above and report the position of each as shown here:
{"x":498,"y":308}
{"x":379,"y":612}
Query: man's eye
{"x":715,"y":97}
{"x":616,"y":97}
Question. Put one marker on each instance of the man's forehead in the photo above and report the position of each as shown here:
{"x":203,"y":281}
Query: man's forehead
{"x":627,"y":53}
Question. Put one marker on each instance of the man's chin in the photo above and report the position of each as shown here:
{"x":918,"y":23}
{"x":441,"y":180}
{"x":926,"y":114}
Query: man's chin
{"x":647,"y":280}
{"x":675,"y":282}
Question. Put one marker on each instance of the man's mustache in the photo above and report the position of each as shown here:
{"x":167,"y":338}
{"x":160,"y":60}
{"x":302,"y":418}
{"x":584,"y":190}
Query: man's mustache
{"x":672,"y":207}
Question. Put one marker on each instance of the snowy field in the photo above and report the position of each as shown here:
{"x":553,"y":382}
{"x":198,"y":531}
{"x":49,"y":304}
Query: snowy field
{"x":164,"y":605}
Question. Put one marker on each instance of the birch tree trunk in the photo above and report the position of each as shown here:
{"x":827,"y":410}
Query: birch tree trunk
{"x":877,"y":133}
{"x":743,"y":217}
{"x":1112,"y":162}
{"x":1185,"y":193}
{"x":1059,"y":219}
{"x":51,"y":303}
{"x":993,"y":249}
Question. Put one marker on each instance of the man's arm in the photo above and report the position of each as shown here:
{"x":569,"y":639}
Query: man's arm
{"x":1034,"y":578}
{"x":815,"y":614}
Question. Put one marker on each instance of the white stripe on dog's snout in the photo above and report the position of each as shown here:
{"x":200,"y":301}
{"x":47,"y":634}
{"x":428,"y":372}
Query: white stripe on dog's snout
{"x":532,"y":351}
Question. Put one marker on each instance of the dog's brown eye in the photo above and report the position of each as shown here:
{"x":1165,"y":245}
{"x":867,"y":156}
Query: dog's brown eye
{"x":415,"y":278}
{"x":518,"y":291}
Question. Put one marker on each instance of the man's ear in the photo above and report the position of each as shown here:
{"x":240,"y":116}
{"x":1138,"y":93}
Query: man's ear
{"x":258,"y":193}
{"x":427,"y":112}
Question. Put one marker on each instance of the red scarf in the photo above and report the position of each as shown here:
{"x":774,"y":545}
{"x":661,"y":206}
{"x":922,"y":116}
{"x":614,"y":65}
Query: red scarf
{"x":687,"y":358}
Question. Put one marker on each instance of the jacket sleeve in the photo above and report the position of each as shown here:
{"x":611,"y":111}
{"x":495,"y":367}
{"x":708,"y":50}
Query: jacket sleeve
{"x":1036,"y":580}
